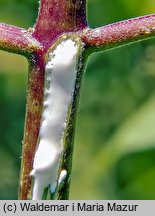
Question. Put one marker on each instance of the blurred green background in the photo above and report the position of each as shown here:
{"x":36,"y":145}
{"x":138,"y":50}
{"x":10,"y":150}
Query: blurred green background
{"x":114,"y":154}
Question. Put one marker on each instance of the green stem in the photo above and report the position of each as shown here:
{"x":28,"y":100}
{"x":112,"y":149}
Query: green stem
{"x":66,"y":160}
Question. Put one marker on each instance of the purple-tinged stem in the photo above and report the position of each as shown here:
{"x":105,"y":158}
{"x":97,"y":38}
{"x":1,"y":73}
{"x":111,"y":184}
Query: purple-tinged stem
{"x":17,"y":40}
{"x":120,"y":33}
{"x":57,"y":17}
{"x":32,"y":122}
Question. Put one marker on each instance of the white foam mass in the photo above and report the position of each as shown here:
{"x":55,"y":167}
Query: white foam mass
{"x":60,"y":76}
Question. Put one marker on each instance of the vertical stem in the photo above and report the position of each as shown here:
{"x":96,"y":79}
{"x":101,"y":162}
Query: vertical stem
{"x":62,"y":192}
{"x":32,"y":122}
{"x":57,"y":17}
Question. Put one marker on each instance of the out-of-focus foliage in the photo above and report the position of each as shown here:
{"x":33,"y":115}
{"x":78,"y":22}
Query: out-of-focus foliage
{"x":114,"y":155}
{"x":18,"y":12}
{"x":13,"y":79}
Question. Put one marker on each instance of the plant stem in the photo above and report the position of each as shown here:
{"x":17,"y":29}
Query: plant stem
{"x":17,"y":40}
{"x":57,"y":17}
{"x":32,"y":122}
{"x":71,"y":17}
{"x":62,"y":192}
{"x":120,"y":33}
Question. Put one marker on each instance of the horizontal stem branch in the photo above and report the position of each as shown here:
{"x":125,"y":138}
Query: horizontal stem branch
{"x":17,"y":40}
{"x":120,"y":33}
